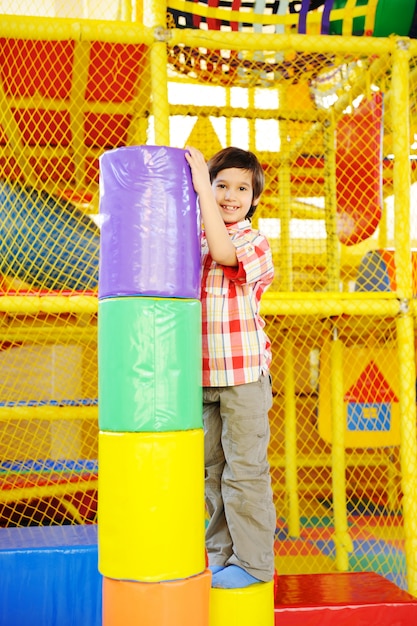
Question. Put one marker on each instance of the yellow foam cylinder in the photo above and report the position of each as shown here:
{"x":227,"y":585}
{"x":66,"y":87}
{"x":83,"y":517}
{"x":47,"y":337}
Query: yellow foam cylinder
{"x":250,"y":606}
{"x":151,"y":505}
{"x":177,"y":603}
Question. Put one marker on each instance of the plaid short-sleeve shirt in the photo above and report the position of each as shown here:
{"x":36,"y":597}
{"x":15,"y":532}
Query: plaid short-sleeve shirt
{"x":236,"y":349}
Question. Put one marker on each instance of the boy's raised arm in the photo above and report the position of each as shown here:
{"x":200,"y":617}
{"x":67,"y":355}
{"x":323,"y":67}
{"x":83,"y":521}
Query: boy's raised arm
{"x":220,"y":245}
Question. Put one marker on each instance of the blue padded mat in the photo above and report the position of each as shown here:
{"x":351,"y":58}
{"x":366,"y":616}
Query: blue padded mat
{"x":49,"y":576}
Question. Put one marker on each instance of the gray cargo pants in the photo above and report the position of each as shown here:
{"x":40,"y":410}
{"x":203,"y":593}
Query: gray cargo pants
{"x":238,"y":490}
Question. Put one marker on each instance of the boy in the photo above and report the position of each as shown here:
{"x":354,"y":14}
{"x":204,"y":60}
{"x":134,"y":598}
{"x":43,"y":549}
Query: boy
{"x":237,"y":268}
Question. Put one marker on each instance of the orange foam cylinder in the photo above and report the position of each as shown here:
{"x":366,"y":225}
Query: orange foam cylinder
{"x":177,"y":603}
{"x":151,"y":505}
{"x":249,"y":606}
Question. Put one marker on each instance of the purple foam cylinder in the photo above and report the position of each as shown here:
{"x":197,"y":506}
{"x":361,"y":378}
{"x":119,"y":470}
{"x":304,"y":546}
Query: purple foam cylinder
{"x":150,"y":224}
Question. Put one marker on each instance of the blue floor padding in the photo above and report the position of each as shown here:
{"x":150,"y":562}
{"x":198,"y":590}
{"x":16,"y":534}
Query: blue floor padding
{"x":49,"y":576}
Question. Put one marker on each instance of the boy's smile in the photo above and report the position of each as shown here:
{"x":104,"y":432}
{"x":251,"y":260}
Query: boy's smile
{"x":233,"y":191}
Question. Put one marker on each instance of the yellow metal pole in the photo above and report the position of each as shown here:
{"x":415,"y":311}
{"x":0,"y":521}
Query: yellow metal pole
{"x":125,"y":10}
{"x":155,"y":12}
{"x":285,"y":202}
{"x":405,"y":323}
{"x":139,"y":10}
{"x":252,"y":121}
{"x":215,"y":40}
{"x":383,"y":229}
{"x":400,"y":105}
{"x":228,"y":119}
{"x":329,"y":305}
{"x":408,"y":449}
{"x":291,"y":440}
{"x":343,"y":543}
{"x":392,"y":490}
{"x":333,"y":245}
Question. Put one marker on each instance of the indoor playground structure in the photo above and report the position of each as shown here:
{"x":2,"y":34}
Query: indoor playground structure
{"x":101,"y":458}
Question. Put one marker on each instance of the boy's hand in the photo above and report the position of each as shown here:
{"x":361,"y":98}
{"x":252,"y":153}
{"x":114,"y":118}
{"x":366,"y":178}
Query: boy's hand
{"x":199,"y":170}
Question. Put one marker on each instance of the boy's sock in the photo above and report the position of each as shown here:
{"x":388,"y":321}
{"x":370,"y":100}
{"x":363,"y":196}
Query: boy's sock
{"x":216,"y":568}
{"x":233,"y":577}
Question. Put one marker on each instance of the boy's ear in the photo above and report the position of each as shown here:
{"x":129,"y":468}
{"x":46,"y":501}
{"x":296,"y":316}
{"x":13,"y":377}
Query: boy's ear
{"x":255,"y":201}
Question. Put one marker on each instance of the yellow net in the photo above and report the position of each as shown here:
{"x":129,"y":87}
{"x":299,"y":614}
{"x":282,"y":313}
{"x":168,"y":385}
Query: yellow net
{"x":331,"y":116}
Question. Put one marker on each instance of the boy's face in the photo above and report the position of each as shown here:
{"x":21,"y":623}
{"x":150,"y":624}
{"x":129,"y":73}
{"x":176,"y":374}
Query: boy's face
{"x":234,"y":193}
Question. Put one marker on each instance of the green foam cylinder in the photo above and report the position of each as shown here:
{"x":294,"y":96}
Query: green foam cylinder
{"x":149,"y":364}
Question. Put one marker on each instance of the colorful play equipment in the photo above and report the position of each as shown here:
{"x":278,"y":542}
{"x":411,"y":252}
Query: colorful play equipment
{"x":369,"y":385}
{"x":378,"y":18}
{"x":76,"y":267}
{"x":47,"y":241}
{"x":76,"y":65}
{"x":150,"y":444}
{"x":151,"y":437}
{"x":73,"y":89}
{"x":369,"y":393}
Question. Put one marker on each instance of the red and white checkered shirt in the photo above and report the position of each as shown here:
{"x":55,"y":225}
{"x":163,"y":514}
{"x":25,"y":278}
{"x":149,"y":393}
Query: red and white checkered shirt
{"x":236,"y":349}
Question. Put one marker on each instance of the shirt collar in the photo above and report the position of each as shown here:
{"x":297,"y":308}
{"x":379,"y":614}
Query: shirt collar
{"x":237,"y":226}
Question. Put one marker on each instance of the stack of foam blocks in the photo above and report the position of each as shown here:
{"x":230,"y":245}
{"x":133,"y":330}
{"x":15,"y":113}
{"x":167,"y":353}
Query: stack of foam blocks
{"x":151,"y":466}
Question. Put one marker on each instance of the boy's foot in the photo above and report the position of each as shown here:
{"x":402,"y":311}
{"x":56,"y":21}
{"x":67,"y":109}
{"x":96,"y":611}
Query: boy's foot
{"x":233,"y":577}
{"x":216,"y":568}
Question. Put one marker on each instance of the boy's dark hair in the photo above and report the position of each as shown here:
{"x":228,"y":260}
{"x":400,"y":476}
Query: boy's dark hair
{"x":244,"y":160}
